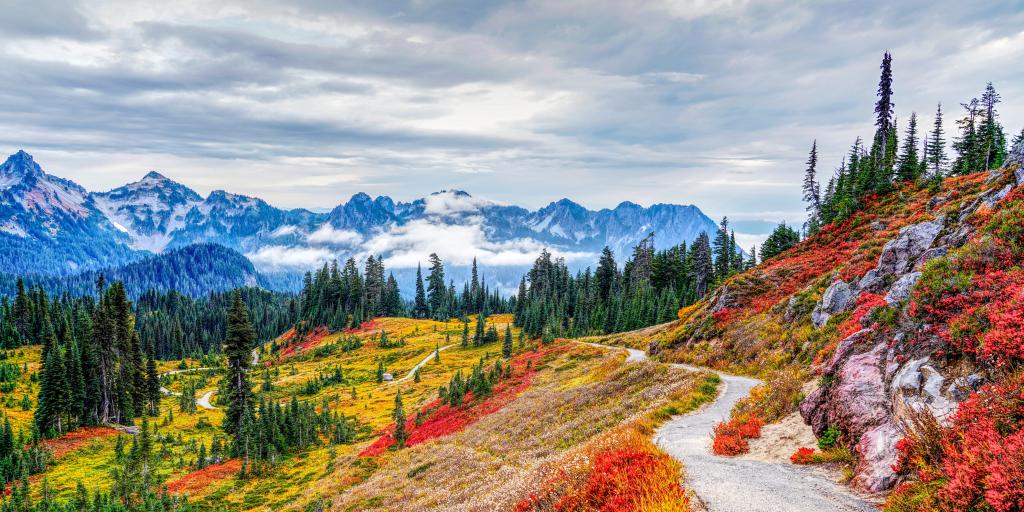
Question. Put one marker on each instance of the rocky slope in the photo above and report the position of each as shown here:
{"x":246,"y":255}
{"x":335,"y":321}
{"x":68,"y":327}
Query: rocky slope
{"x":911,"y":307}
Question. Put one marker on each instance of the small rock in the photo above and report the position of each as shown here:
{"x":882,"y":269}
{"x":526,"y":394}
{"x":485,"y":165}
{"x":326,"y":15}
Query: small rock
{"x":836,"y":299}
{"x":991,"y":200}
{"x":900,"y":290}
{"x":909,"y":377}
{"x":877,"y":225}
{"x":931,"y":254}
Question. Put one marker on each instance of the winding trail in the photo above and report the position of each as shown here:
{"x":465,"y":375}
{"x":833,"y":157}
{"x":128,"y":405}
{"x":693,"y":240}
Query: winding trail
{"x":204,"y":401}
{"x":726,"y":484}
{"x":412,"y":373}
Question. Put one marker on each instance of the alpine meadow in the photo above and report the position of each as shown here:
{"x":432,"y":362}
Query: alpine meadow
{"x":718,"y":256}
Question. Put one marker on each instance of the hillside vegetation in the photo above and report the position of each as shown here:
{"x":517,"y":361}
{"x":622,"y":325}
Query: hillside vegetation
{"x":906,"y":316}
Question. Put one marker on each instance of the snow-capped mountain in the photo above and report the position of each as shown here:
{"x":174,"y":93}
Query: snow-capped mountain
{"x":52,"y":225}
{"x":156,"y":214}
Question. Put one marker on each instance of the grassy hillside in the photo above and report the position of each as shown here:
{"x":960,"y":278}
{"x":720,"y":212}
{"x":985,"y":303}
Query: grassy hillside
{"x":562,"y":405}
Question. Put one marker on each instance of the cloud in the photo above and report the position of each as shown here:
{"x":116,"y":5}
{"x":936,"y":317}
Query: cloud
{"x":450,"y":202}
{"x":456,"y":244}
{"x":277,"y":258}
{"x":326,"y":234}
{"x":284,"y":231}
{"x":524,"y":102}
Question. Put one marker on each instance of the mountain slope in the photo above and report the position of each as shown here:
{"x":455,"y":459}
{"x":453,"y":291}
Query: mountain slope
{"x":51,"y":225}
{"x":904,"y":316}
{"x":195,"y":271}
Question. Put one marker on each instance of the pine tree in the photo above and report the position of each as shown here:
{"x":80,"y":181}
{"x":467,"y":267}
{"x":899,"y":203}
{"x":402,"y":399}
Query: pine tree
{"x":991,"y":137}
{"x":702,"y":267}
{"x":811,"y":191}
{"x":436,"y":291}
{"x":237,"y":347}
{"x":465,"y":334}
{"x":420,"y":308}
{"x":883,"y":118}
{"x":937,"y":147}
{"x":53,"y":400}
{"x":909,"y":168}
{"x":606,"y":273}
{"x":399,"y":416}
{"x":506,"y":346}
{"x":152,"y":388}
{"x":723,"y":250}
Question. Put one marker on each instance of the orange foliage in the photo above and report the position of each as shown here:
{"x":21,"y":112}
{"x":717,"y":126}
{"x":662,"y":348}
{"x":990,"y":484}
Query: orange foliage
{"x":200,"y":478}
{"x":76,"y":439}
{"x":626,"y":472}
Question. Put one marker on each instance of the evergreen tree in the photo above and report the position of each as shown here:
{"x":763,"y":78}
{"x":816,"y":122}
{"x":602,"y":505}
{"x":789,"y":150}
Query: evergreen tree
{"x":420,"y":308}
{"x":782,"y":237}
{"x":506,"y":346}
{"x":883,"y":119}
{"x":399,"y":416}
{"x":937,"y":147}
{"x":909,"y":167}
{"x":812,"y":195}
{"x":237,"y":349}
{"x":437,"y":293}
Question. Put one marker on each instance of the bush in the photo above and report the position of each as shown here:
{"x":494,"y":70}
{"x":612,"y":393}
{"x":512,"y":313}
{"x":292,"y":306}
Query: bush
{"x":829,"y":437}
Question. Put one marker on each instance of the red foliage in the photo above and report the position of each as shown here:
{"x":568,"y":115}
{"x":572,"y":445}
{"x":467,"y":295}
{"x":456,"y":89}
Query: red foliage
{"x":76,"y":439}
{"x":367,"y":326}
{"x":982,"y":459}
{"x":723,"y":315}
{"x":802,"y":456}
{"x":731,"y":436}
{"x":443,"y":420}
{"x":199,"y":479}
{"x":620,"y":479}
{"x":303,"y":343}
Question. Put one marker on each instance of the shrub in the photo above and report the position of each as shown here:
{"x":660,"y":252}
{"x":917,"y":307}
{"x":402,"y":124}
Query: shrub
{"x":829,"y":437}
{"x":731,"y":436}
{"x":802,"y":456}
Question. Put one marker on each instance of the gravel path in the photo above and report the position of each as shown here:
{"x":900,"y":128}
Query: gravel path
{"x":412,"y":373}
{"x":203,"y":401}
{"x":724,"y":484}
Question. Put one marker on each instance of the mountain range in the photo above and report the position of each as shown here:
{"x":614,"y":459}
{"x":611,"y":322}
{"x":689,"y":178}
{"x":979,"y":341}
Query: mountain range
{"x":53,"y":226}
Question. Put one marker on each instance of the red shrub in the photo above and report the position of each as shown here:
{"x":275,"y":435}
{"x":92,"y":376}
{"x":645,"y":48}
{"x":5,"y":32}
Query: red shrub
{"x":731,"y":436}
{"x":981,"y":464}
{"x":621,"y":479}
{"x":802,"y":456}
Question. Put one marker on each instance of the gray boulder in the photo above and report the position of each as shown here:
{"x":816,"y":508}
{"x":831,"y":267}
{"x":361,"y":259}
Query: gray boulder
{"x":836,"y":299}
{"x":900,"y":290}
{"x":901,"y":253}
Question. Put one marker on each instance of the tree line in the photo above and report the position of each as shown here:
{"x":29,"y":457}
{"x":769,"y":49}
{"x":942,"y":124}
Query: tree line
{"x":341,"y":297}
{"x":878,"y":167}
{"x":649,"y":288}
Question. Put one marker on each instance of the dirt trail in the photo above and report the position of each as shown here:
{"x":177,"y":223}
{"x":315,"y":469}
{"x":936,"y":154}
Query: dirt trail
{"x":724,"y":484}
{"x":412,"y":373}
{"x":203,"y":401}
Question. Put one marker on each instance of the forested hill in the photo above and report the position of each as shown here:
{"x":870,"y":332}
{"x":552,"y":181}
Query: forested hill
{"x":195,"y":271}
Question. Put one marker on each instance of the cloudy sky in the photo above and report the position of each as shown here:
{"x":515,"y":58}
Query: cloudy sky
{"x":306,"y":102}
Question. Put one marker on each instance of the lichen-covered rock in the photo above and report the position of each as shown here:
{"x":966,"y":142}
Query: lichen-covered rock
{"x":836,"y":299}
{"x":857,"y":398}
{"x":900,"y":290}
{"x":843,"y":350}
{"x":901,"y":253}
{"x":876,"y":455}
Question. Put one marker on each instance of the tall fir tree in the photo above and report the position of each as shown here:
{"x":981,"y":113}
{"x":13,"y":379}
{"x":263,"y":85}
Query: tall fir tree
{"x":937,"y":158}
{"x":420,"y":308}
{"x":237,"y":348}
{"x":909,"y":167}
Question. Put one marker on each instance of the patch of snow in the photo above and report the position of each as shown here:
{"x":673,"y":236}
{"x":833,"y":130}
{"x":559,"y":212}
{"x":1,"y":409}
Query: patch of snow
{"x":13,"y":229}
{"x":543,"y":224}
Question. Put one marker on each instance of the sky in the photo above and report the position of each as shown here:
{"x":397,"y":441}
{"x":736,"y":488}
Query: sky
{"x":306,"y":102}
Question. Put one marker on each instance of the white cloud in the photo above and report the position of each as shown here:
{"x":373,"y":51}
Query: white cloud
{"x":326,"y":234}
{"x":279,"y":258}
{"x":447,"y":203}
{"x":456,"y":244}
